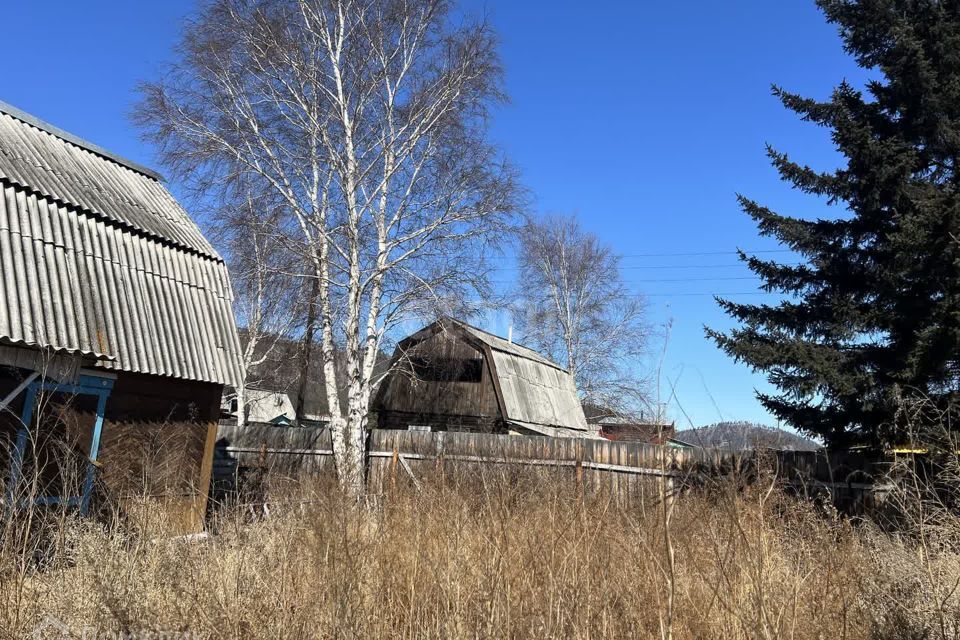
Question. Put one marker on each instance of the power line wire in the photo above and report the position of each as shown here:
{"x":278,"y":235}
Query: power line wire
{"x":722,"y":294}
{"x":678,"y":254}
{"x":693,"y":279}
{"x":662,"y":279}
{"x":673,"y":266}
{"x":660,"y":294}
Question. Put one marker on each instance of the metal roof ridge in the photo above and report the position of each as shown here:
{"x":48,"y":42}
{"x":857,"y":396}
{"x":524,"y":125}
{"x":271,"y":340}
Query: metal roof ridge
{"x":539,"y":357}
{"x":70,"y":138}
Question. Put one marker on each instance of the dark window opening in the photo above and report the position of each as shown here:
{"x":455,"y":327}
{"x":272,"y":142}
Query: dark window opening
{"x":55,"y":460}
{"x":447,"y":369}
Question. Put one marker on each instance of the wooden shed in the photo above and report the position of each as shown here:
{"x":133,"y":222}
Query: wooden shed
{"x":636,"y":430}
{"x":116,"y":329}
{"x":451,"y":376}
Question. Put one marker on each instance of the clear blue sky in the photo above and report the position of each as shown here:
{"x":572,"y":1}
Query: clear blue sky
{"x":645,"y":118}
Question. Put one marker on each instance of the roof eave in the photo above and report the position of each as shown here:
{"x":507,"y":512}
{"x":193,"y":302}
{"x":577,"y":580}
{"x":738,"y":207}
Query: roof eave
{"x":19,"y":114}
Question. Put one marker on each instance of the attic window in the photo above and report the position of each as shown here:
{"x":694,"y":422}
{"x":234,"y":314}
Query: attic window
{"x":448,"y":369}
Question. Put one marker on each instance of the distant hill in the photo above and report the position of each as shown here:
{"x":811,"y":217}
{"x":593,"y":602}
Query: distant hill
{"x":746,"y":435}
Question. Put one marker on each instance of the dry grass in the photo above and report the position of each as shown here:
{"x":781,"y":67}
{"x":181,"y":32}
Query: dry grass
{"x":498,"y":555}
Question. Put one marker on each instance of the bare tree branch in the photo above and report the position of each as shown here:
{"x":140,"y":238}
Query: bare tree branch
{"x":574,"y":306}
{"x":364,"y":124}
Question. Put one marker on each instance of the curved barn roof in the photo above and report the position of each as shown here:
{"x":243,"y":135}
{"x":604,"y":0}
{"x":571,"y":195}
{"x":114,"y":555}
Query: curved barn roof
{"x":505,"y":346}
{"x":536,"y":393}
{"x":97,"y":258}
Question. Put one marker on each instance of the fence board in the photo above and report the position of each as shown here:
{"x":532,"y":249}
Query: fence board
{"x":627,"y":470}
{"x":284,"y":451}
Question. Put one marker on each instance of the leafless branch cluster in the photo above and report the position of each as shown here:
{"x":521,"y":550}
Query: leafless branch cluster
{"x":354,"y":132}
{"x":268,"y":299}
{"x":574,"y":305}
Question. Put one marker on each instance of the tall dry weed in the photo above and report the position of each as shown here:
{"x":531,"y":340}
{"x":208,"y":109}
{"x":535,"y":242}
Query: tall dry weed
{"x":497,"y":553}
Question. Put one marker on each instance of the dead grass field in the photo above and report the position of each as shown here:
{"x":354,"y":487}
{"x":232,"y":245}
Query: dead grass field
{"x":498,"y":555}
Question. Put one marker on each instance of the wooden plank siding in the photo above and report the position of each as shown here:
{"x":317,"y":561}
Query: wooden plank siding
{"x":627,"y":470}
{"x":403,"y":399}
{"x":281,"y":450}
{"x":450,"y":376}
{"x":155,"y":445}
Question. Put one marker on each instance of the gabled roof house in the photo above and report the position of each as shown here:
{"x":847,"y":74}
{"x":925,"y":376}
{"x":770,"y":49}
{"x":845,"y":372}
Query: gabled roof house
{"x":116,"y":311}
{"x":451,"y":376}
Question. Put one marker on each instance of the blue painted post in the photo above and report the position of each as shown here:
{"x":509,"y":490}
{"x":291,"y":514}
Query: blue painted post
{"x":20,"y":447}
{"x":88,"y":385}
{"x":94,"y":451}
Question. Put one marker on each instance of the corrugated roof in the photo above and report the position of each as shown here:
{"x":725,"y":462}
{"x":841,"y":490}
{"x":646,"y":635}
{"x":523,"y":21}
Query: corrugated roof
{"x":499,"y":344}
{"x":97,"y":258}
{"x":77,"y":173}
{"x":536,"y":390}
{"x":538,"y":394}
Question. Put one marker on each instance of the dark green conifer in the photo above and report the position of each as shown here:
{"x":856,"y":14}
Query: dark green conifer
{"x":866,"y":346}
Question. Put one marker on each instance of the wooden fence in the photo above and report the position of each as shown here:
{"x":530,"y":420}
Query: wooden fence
{"x":626,"y":469}
{"x":257,"y":449}
{"x":622,"y":467}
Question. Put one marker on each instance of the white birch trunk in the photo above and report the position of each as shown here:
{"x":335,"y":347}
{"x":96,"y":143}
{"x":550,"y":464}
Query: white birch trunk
{"x":241,"y":406}
{"x":381,"y":108}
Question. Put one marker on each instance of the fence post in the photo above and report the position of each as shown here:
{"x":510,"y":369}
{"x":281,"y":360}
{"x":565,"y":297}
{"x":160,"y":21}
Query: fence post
{"x":579,"y":469}
{"x":441,"y":440}
{"x":393,"y":466}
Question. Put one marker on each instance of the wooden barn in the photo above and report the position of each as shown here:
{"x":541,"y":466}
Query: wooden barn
{"x":451,"y":376}
{"x":116,"y":330}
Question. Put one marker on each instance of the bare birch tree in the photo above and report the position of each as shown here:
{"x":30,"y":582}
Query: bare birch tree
{"x":573,"y":304}
{"x":265,"y":300}
{"x":367,"y":122}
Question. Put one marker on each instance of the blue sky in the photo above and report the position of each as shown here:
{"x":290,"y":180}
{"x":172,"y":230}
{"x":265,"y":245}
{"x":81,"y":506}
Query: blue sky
{"x":644,"y":118}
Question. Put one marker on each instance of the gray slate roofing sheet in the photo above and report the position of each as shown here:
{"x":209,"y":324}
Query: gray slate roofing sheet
{"x":97,"y":258}
{"x":538,"y":394}
{"x":36,"y":159}
{"x":73,"y":282}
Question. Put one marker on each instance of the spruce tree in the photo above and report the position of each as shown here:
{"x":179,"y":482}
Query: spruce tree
{"x":865,"y":347}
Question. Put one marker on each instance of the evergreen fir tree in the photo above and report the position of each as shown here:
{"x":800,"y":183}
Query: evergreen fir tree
{"x":870,"y":325}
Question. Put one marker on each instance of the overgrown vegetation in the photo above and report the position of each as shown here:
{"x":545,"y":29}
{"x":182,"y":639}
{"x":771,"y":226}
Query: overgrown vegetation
{"x":497,"y":553}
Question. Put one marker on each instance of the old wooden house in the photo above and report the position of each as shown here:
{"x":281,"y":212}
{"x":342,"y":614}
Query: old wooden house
{"x":451,"y":376}
{"x":116,"y":329}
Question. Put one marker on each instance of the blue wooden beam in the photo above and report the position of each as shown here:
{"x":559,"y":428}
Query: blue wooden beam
{"x":85,"y":385}
{"x":20,"y":446}
{"x":94,"y":451}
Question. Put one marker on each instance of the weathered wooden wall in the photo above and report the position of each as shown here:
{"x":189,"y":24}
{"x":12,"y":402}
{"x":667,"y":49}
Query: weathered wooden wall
{"x":281,"y":450}
{"x":157,"y":443}
{"x":627,"y":470}
{"x":404,"y":399}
